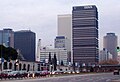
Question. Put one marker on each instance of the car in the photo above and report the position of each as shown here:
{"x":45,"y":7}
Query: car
{"x":77,"y":71}
{"x":37,"y":73}
{"x":14,"y":74}
{"x":68,"y":72}
{"x":116,"y":72}
{"x":3,"y":75}
{"x":31,"y":74}
{"x":57,"y":72}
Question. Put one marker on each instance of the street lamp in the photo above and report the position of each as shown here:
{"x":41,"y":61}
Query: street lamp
{"x":51,"y":69}
{"x":17,"y":64}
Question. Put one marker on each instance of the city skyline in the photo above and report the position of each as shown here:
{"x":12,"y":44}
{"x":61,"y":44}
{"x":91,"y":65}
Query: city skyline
{"x":40,"y":16}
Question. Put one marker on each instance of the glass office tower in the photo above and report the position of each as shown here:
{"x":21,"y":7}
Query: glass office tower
{"x":85,"y":34}
{"x":25,"y":41}
{"x":7,"y":37}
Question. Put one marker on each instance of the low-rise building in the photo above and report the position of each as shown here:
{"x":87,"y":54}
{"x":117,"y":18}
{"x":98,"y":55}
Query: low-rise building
{"x":104,"y":55}
{"x":61,"y":55}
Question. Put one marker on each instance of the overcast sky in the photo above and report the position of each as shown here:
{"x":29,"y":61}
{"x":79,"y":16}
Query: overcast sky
{"x":40,"y":16}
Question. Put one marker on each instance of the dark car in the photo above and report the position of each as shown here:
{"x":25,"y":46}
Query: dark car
{"x":3,"y":75}
{"x":116,"y":72}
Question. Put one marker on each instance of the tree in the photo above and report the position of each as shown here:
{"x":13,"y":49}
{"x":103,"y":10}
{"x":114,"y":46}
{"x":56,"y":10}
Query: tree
{"x":55,"y":62}
{"x":109,"y":62}
{"x":8,"y":53}
{"x":62,"y":63}
{"x":11,"y":53}
{"x":2,"y":50}
{"x":50,"y":62}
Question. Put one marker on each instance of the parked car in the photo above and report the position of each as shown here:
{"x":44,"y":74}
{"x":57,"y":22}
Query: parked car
{"x":24,"y":74}
{"x":116,"y":72}
{"x":31,"y":74}
{"x":57,"y":72}
{"x":14,"y":74}
{"x":38,"y":73}
{"x":3,"y":75}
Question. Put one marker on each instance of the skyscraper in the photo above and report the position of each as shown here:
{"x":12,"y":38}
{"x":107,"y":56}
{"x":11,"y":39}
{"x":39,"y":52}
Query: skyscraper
{"x":7,"y":37}
{"x":38,"y":51}
{"x":110,"y":43}
{"x":64,"y":28}
{"x":85,"y":34}
{"x":25,"y":41}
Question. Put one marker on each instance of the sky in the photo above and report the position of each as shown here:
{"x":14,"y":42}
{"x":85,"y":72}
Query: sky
{"x":40,"y":16}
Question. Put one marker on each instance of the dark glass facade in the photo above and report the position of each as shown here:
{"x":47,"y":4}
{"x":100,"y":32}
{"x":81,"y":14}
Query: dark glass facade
{"x":25,"y":42}
{"x":7,"y":37}
{"x":85,"y":34}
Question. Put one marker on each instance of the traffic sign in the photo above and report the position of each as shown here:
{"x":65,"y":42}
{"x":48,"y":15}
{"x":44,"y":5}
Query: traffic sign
{"x":1,"y":59}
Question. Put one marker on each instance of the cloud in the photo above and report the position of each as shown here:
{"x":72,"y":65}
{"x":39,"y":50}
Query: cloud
{"x":41,"y":15}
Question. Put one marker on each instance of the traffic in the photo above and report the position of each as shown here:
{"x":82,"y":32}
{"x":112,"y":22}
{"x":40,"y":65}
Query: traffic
{"x":9,"y":74}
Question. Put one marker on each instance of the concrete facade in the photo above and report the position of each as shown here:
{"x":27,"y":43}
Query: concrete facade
{"x":61,"y":42}
{"x":110,"y":43}
{"x":21,"y":65}
{"x":38,"y":50}
{"x":104,"y":55}
{"x":61,"y":55}
{"x":64,"y":28}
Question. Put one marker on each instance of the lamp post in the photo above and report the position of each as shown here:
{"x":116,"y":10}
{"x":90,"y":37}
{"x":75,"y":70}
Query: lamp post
{"x":51,"y":69}
{"x":17,"y":64}
{"x":99,"y":68}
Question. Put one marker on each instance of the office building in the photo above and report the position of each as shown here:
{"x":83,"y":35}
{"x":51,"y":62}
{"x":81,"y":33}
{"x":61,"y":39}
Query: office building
{"x":110,"y":43}
{"x":25,"y":41}
{"x":7,"y":37}
{"x":85,"y":34}
{"x":38,"y":51}
{"x":104,"y":55}
{"x":61,"y":55}
{"x":61,"y":42}
{"x":64,"y":28}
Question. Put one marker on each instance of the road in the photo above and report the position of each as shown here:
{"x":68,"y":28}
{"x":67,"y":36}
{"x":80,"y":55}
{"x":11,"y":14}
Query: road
{"x":101,"y":77}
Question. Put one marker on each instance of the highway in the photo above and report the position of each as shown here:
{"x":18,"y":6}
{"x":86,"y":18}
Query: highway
{"x":99,"y":77}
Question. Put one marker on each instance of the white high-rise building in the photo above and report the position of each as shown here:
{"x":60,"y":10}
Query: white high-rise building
{"x":64,"y":28}
{"x":38,"y":50}
{"x":104,"y":55}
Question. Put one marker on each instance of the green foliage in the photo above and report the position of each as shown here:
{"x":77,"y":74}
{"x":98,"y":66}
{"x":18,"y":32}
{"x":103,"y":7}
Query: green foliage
{"x":50,"y":61}
{"x":55,"y":62}
{"x":8,"y":53}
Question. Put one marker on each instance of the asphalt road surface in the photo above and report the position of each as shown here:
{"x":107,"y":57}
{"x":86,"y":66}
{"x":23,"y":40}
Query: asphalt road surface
{"x":101,"y":77}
